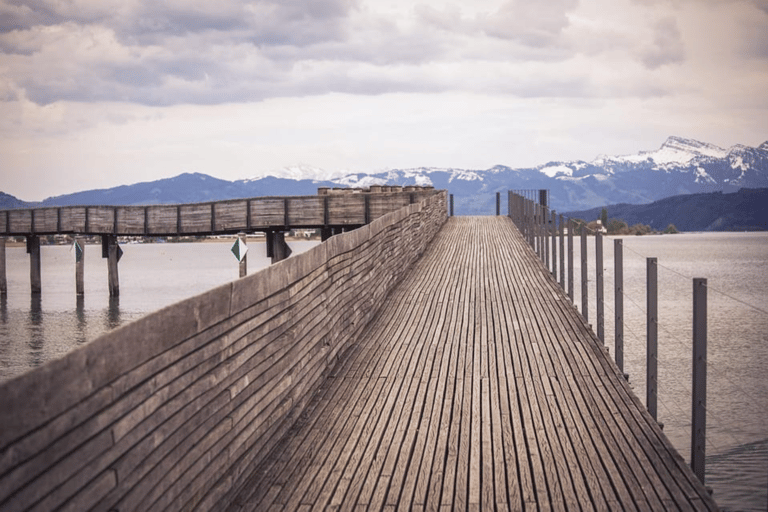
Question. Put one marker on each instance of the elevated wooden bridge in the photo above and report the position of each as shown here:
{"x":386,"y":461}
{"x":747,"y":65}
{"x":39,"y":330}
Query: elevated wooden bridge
{"x":416,"y":363}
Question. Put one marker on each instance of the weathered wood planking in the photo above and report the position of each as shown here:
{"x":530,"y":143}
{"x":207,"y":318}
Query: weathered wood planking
{"x":171,"y":412}
{"x":477,"y":387}
{"x":263,"y":213}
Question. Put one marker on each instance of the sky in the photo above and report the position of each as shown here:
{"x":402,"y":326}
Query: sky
{"x":100,"y":93}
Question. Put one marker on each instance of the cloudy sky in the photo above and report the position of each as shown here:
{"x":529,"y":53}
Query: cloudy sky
{"x":97,"y":93}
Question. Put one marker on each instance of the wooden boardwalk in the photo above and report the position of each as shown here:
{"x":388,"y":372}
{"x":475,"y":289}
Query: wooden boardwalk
{"x":478,"y":386}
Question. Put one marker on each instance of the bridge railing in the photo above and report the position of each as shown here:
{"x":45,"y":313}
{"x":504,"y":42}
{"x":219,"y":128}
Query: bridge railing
{"x":169,"y":412}
{"x":551,"y":236}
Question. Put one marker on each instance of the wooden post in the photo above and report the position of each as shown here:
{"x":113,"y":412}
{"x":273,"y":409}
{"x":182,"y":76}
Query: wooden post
{"x":562,"y":252}
{"x":280,"y":249}
{"x":570,"y":259}
{"x":33,"y":249}
{"x":553,"y":233}
{"x":584,"y":275}
{"x":699,"y":388}
{"x":599,"y":293}
{"x":545,"y":235}
{"x":451,"y":205}
{"x":651,"y":381}
{"x":79,"y":266}
{"x":618,"y":299}
{"x":3,"y":278}
{"x":244,"y":259}
{"x":112,"y":252}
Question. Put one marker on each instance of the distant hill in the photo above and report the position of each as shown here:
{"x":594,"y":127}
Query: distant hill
{"x":745,"y":210}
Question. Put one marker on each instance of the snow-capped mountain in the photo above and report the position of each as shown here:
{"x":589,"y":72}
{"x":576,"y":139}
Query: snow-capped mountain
{"x":679,"y":166}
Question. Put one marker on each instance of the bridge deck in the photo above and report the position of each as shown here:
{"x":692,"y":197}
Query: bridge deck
{"x":477,"y":386}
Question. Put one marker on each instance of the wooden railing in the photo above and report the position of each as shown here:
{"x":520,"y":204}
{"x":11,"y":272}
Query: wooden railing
{"x":169,"y":412}
{"x":342,"y":208}
{"x":547,"y":234}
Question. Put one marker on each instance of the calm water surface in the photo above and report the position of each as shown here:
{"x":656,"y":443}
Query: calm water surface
{"x":33,"y":331}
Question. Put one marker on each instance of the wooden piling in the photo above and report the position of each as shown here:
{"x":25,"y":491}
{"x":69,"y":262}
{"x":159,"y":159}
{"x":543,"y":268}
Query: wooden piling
{"x":3,"y":278}
{"x":280,"y":249}
{"x":111,"y":251}
{"x":35,"y":276}
{"x":79,"y":266}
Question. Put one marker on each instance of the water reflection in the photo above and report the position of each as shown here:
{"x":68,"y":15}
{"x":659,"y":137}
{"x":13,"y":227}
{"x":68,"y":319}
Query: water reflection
{"x":82,"y":323}
{"x":36,"y":330}
{"x":113,"y":313}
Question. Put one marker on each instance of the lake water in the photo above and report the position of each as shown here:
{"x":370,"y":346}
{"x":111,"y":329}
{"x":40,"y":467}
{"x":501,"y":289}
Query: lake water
{"x":35,"y":330}
{"x":736,"y":268}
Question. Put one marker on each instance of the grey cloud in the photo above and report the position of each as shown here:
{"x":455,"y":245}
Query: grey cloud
{"x":667,"y":47}
{"x":531,"y":23}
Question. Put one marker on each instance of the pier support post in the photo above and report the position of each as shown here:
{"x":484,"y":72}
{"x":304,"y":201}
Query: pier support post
{"x":618,"y":300}
{"x":652,"y":325}
{"x":79,"y":266}
{"x":451,"y":205}
{"x":112,"y":252}
{"x":599,"y":292}
{"x":699,"y":388}
{"x":584,"y":275}
{"x":277,"y":249}
{"x":3,"y":278}
{"x":33,"y":249}
{"x":498,"y":203}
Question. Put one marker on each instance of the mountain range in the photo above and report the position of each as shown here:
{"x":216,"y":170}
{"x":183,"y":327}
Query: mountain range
{"x":679,"y":166}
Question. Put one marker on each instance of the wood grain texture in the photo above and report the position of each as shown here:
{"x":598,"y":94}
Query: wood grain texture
{"x":171,"y":412}
{"x":353,"y":208}
{"x":477,"y":386}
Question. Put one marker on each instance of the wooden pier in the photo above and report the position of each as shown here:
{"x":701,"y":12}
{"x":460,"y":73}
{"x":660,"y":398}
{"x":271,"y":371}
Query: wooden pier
{"x":477,"y":387}
{"x":419,"y":362}
{"x":332,"y":211}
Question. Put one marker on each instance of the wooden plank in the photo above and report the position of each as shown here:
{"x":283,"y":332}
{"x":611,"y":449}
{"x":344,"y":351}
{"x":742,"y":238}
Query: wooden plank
{"x":345,"y":210}
{"x":130,"y":220}
{"x":101,"y":219}
{"x":195,"y":218}
{"x":267,"y":212}
{"x":46,"y":220}
{"x":231,"y":216}
{"x":20,"y":221}
{"x":162,"y":220}
{"x":305,"y":211}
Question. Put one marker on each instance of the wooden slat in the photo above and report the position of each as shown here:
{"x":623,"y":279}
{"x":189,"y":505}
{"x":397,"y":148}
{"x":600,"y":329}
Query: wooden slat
{"x":130,"y":220}
{"x":477,"y":387}
{"x":101,"y":219}
{"x":231,"y":215}
{"x":162,"y":220}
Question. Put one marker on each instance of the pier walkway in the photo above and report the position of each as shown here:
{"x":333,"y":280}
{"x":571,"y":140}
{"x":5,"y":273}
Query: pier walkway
{"x":477,"y":386}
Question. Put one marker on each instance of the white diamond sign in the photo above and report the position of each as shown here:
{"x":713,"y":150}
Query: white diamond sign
{"x":239,"y":249}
